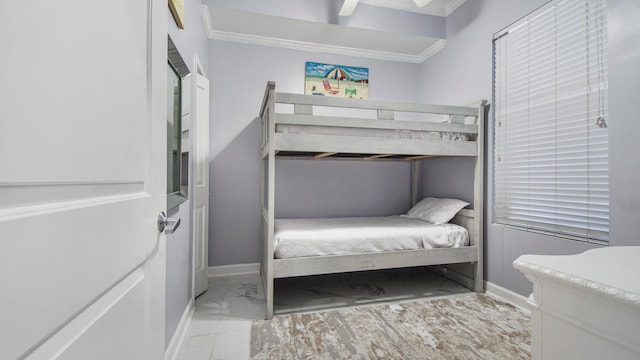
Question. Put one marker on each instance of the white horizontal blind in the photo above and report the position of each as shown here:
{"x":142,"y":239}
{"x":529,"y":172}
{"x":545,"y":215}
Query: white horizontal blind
{"x":551,"y":140}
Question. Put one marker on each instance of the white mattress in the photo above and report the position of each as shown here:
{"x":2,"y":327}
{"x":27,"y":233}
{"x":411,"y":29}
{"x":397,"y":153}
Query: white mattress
{"x":383,"y":133}
{"x":360,"y":235}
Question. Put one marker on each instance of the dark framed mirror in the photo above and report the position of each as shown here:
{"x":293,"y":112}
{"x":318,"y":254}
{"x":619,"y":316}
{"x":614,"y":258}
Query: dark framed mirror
{"x":177,"y":144}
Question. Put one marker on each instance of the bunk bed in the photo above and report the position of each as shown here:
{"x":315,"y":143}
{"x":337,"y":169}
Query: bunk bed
{"x":395,"y":131}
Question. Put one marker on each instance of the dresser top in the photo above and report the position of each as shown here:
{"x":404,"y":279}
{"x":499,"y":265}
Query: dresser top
{"x":611,"y":271}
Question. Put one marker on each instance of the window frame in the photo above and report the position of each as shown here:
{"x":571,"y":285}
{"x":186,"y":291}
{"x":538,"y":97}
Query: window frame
{"x":498,"y":216}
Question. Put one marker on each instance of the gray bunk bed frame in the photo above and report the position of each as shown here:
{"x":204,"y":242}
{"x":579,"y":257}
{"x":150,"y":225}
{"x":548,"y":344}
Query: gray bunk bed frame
{"x":462,"y":264}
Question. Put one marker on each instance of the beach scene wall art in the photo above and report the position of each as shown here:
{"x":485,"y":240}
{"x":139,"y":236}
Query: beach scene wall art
{"x":336,"y":80}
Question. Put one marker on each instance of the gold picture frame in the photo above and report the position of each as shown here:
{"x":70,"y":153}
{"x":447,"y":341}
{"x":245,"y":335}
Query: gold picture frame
{"x":177,"y":10}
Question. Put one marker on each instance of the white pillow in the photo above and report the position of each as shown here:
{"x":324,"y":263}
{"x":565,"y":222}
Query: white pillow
{"x":436,"y":210}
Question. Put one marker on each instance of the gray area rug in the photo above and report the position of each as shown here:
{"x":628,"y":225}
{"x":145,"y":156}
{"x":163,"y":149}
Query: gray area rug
{"x":472,"y":326}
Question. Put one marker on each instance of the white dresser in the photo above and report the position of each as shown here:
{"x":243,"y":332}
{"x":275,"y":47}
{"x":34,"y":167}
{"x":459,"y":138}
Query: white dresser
{"x":585,"y":306}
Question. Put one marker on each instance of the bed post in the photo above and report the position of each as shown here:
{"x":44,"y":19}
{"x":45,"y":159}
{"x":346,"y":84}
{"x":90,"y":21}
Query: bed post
{"x":416,"y":175}
{"x":267,"y":187}
{"x":478,"y":199}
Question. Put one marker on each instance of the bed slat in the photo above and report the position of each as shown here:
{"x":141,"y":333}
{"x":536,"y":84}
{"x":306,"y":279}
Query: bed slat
{"x":323,"y":155}
{"x":378,"y":156}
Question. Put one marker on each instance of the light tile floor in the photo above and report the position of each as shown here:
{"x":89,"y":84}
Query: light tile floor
{"x":221,"y":324}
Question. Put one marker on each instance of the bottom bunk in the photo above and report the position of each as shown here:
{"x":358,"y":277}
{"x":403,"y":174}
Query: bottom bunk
{"x":303,"y":247}
{"x":300,"y":238}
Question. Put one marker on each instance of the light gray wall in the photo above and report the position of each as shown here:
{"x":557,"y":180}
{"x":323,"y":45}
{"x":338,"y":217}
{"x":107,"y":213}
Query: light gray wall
{"x":325,"y":188}
{"x":624,"y":147}
{"x":462,"y":73}
{"x":189,"y":41}
{"x":238,"y":74}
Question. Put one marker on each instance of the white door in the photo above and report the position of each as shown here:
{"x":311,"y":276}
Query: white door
{"x":82,"y":179}
{"x":201,"y":191}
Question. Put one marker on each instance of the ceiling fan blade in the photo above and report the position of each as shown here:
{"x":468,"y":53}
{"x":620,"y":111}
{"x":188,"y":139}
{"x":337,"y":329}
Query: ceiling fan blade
{"x":347,"y":7}
{"x":422,"y":3}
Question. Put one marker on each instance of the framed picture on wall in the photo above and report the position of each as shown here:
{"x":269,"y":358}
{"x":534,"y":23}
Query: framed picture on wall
{"x":336,"y":80}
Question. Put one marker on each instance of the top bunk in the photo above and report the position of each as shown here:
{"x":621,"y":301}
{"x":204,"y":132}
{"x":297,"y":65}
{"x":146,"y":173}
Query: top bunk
{"x":318,"y":127}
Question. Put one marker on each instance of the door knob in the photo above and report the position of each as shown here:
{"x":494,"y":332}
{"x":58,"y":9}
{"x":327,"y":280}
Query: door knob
{"x":168,"y":225}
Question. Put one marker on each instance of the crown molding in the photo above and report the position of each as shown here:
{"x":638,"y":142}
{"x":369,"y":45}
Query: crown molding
{"x":432,"y":50}
{"x":314,"y":47}
{"x":452,"y":6}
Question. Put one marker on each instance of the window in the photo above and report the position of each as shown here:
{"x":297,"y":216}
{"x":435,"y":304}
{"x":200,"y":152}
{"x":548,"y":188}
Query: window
{"x":551,"y":171}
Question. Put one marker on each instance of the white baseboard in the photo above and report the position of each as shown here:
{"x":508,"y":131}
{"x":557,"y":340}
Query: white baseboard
{"x":508,"y":296}
{"x":181,"y":332}
{"x":237,"y":269}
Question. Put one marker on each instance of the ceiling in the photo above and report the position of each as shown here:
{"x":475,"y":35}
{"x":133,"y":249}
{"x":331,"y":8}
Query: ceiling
{"x":436,"y":7}
{"x":395,"y":30}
